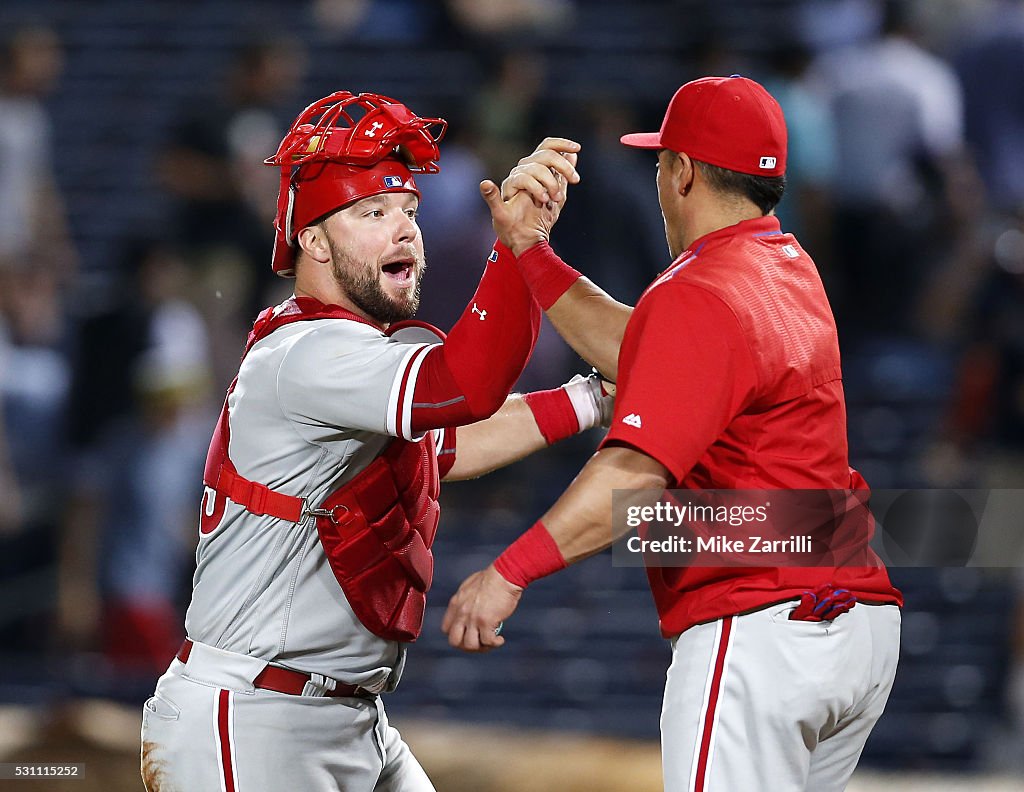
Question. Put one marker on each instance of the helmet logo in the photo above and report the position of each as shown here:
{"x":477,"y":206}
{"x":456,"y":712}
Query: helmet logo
{"x":392,"y":181}
{"x":372,"y":131}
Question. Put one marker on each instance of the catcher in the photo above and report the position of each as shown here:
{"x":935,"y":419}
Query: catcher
{"x":322,"y":478}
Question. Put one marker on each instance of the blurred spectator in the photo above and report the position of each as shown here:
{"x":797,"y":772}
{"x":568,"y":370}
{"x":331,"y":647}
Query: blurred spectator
{"x":36,"y":258}
{"x":715,"y":53}
{"x":10,"y":492}
{"x":988,"y":411}
{"x":224,"y":195}
{"x":614,"y":223}
{"x":387,"y":21}
{"x":505,"y":109}
{"x":806,"y":208}
{"x":34,"y":380}
{"x":33,"y":219}
{"x":992,"y":51}
{"x":511,"y":18}
{"x":897,"y":113}
{"x":141,"y":421}
{"x":455,"y":223}
{"x":831,"y":24}
{"x":984,"y":445}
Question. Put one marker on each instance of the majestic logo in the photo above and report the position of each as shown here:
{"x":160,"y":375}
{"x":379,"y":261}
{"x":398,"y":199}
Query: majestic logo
{"x":493,"y":256}
{"x":372,"y":131}
{"x":483,"y":313}
{"x":767,"y":162}
{"x":633,"y":420}
{"x":392,"y":181}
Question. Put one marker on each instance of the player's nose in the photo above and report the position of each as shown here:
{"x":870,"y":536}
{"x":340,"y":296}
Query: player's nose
{"x":406,"y":230}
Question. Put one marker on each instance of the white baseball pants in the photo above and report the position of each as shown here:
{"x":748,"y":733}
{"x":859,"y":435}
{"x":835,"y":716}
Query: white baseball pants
{"x":207,"y":728}
{"x":760,"y":703}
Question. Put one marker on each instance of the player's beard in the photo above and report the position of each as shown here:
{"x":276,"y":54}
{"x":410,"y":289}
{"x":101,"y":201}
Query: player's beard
{"x":362,"y":285}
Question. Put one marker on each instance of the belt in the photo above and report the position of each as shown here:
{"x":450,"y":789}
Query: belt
{"x":284,"y":680}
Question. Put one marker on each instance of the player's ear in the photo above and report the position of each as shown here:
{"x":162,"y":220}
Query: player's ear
{"x":685,"y":170}
{"x":312,"y":240}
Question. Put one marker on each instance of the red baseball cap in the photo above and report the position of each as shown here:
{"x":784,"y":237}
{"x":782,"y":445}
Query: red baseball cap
{"x":731,"y":122}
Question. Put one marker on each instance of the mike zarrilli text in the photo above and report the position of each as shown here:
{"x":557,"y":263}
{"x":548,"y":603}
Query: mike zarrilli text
{"x":720,"y":545}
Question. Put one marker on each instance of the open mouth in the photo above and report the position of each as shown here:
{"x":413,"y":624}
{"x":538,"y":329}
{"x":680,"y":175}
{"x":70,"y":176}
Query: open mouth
{"x":400,"y":272}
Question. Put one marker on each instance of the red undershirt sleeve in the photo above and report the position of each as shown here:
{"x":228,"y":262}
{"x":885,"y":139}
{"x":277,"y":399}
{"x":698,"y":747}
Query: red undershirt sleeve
{"x":468,"y":377}
{"x":685,"y":371}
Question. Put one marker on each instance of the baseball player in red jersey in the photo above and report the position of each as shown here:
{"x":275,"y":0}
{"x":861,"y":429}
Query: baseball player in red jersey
{"x":321,"y":482}
{"x":728,"y":377}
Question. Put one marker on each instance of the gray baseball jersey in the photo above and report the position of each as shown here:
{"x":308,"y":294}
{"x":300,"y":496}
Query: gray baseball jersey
{"x":315,"y":402}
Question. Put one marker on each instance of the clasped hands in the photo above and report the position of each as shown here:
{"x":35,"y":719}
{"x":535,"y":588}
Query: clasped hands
{"x":531,"y":197}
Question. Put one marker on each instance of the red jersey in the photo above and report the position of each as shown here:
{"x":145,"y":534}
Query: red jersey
{"x":729,"y":375}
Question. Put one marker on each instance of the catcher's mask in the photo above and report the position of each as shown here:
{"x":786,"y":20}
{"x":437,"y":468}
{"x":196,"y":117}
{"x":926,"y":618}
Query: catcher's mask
{"x":341,"y":149}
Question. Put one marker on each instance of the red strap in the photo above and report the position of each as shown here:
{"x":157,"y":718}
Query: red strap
{"x":258,"y":498}
{"x":297,"y":309}
{"x":220,"y":474}
{"x":284,"y":680}
{"x":185,"y":650}
{"x":281,"y":680}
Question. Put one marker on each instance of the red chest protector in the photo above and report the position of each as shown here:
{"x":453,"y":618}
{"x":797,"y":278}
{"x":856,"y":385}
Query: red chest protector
{"x":376,"y":530}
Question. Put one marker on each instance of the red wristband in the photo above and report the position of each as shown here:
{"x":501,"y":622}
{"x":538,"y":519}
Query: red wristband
{"x":554,"y":414}
{"x":546,"y":274}
{"x":533,"y":555}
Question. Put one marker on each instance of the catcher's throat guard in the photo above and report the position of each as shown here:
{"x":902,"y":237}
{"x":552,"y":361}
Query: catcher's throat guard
{"x":343,"y":148}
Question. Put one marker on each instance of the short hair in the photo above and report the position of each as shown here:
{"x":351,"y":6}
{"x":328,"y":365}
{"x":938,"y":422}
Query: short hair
{"x":765,"y":192}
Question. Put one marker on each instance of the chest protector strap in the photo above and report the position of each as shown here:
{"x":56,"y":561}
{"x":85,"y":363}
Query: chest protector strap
{"x":376,"y":530}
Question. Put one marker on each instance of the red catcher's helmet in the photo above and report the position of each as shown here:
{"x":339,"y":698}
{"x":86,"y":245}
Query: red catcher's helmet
{"x":340,"y":149}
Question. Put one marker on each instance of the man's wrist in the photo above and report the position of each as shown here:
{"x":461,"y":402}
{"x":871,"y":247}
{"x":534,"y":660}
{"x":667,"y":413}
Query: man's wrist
{"x":520,"y":246}
{"x":546,"y":275}
{"x":533,"y":555}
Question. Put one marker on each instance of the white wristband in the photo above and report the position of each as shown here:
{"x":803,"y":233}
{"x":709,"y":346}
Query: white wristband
{"x":592,"y":405}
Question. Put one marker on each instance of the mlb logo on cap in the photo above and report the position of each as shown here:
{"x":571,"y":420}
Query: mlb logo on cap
{"x":392,"y":181}
{"x":767,"y":162}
